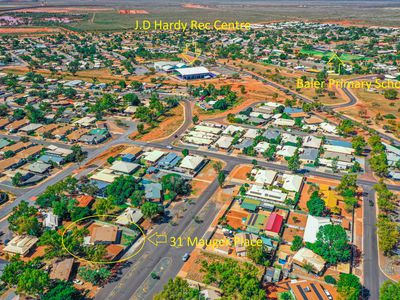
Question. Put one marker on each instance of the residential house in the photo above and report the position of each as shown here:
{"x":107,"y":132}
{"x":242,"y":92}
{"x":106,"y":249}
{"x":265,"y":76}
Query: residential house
{"x":274,"y":225}
{"x":193,"y":163}
{"x":123,"y":167}
{"x":129,"y":216}
{"x":312,"y":227}
{"x":61,"y":270}
{"x":306,"y":256}
{"x":51,"y":220}
{"x":104,"y":235}
{"x":153,"y":191}
{"x":21,"y":244}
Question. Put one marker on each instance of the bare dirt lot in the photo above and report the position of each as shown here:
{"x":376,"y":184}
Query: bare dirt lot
{"x":29,"y":30}
{"x":167,"y":126}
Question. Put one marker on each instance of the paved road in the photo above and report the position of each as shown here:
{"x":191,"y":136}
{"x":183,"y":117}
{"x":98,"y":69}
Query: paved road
{"x":373,"y":276}
{"x":134,"y":278}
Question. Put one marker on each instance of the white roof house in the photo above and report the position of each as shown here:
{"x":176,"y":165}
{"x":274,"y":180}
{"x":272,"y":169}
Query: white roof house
{"x":251,"y":133}
{"x":311,"y":141}
{"x":292,"y":182}
{"x":129,"y":216}
{"x":312,"y":227}
{"x":261,"y":147}
{"x":105,"y":175}
{"x":329,"y":128}
{"x":265,"y":176}
{"x":259,"y":192}
{"x":191,"y":162}
{"x":85,"y":121}
{"x":289,"y":138}
{"x":209,"y":129}
{"x":306,"y":256}
{"x":58,"y":150}
{"x":153,"y":156}
{"x":284,"y":122}
{"x":124,"y":167}
{"x":338,"y":149}
{"x":232,"y":129}
{"x":286,"y":151}
{"x":224,"y":142}
{"x":51,"y":220}
{"x":21,"y":244}
{"x":30,"y":127}
{"x":198,"y":140}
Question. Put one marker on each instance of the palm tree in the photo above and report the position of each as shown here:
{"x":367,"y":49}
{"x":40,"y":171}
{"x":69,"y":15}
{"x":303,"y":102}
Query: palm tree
{"x":308,"y":267}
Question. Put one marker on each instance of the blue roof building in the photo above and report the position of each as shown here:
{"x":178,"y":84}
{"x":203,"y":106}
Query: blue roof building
{"x":128,"y":157}
{"x":338,"y":143}
{"x":169,"y":161}
{"x":47,"y":158}
{"x":152,"y":190}
{"x":292,"y":110}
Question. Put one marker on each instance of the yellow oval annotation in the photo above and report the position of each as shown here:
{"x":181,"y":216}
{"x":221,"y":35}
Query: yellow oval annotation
{"x":101,"y":262}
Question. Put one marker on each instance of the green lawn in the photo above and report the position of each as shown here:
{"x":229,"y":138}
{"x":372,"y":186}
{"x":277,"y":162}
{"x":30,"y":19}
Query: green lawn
{"x":344,"y":56}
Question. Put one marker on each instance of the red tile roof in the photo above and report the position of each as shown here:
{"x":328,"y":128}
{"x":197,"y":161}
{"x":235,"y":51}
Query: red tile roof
{"x":84,"y":200}
{"x":274,"y":223}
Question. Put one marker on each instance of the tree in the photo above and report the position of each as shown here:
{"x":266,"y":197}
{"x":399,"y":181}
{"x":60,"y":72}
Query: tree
{"x":217,"y":166}
{"x":52,"y":240}
{"x":19,"y":114}
{"x":32,"y":281}
{"x":77,"y":154}
{"x":297,"y":243}
{"x":308,"y":267}
{"x":150,"y":210}
{"x":62,"y":290}
{"x":175,"y":183}
{"x":349,"y":286}
{"x":103,"y":206}
{"x":221,"y":178}
{"x":379,"y":164}
{"x":316,"y":205}
{"x":285,"y":296}
{"x":94,"y":276}
{"x":258,"y":254}
{"x":388,"y":234}
{"x":111,"y":160}
{"x":195,"y":119}
{"x":132,"y":99}
{"x":348,"y":182}
{"x":140,"y":128}
{"x":358,"y":143}
{"x":185,"y":152}
{"x":390,"y":291}
{"x":178,"y":289}
{"x":294,"y":162}
{"x":329,"y":279}
{"x":331,"y":244}
{"x":121,"y":189}
{"x":16,"y":179}
{"x":236,"y":280}
{"x":376,"y":144}
{"x":73,"y":67}
{"x":23,"y":220}
{"x":346,"y":127}
{"x":390,"y":94}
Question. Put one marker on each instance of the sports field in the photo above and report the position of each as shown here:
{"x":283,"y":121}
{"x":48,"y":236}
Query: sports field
{"x":344,"y":56}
